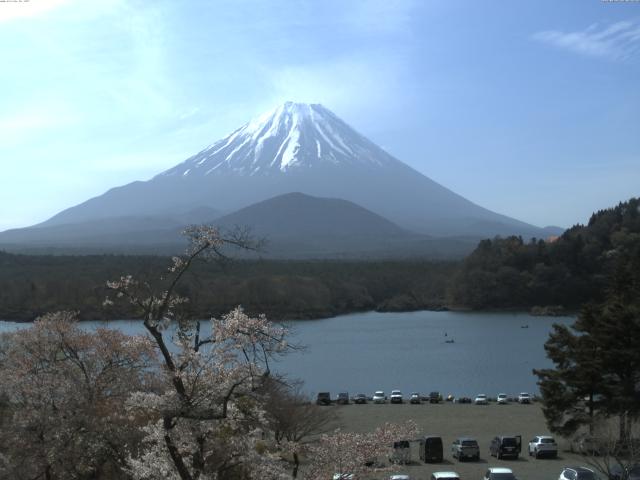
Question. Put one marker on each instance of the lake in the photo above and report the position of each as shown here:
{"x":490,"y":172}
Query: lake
{"x":370,"y":351}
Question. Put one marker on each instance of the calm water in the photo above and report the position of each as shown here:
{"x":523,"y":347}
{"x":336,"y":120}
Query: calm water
{"x":365,"y":352}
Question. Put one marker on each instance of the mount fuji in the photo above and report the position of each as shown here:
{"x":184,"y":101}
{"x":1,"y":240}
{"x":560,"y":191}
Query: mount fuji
{"x":294,"y":148}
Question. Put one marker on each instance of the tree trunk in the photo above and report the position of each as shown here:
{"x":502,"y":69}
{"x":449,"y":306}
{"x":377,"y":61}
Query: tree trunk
{"x":623,"y":428}
{"x":296,"y":465}
{"x":591,"y":412}
{"x":178,"y":461}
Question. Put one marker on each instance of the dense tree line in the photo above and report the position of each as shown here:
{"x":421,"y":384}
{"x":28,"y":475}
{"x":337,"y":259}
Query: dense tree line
{"x":569,"y":271}
{"x":32,"y":285}
{"x":501,"y":273}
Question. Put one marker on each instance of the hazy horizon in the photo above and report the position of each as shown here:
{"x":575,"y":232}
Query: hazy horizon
{"x":529,"y":110}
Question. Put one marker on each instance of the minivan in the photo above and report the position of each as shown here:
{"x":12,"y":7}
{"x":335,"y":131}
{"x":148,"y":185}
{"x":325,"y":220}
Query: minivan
{"x":431,"y":449}
{"x":506,"y":446}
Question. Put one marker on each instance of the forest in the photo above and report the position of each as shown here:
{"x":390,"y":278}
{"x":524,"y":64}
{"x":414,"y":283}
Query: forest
{"x":567,"y":272}
{"x":33,"y":285}
{"x":501,"y":273}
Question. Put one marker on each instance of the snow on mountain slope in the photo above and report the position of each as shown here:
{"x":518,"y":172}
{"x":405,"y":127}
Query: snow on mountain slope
{"x":292,"y":136}
{"x":299,"y":148}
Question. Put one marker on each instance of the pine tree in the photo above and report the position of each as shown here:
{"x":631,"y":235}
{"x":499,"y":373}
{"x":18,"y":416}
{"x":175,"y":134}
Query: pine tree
{"x":597,"y":359}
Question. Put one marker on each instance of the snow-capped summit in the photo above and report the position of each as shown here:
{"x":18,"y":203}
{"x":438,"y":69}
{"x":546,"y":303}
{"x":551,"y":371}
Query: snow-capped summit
{"x":295,"y":148}
{"x":291,"y":137}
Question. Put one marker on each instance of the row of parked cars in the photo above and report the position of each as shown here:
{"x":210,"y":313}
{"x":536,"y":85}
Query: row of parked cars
{"x":496,"y":473}
{"x":467,"y":448}
{"x":324,"y":398}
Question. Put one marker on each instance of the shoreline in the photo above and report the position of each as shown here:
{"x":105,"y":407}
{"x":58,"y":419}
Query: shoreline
{"x":325,"y":315}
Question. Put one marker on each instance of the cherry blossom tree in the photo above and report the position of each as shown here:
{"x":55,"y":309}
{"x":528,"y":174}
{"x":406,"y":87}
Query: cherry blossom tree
{"x":355,"y":453}
{"x":64,"y":391}
{"x":209,"y":421}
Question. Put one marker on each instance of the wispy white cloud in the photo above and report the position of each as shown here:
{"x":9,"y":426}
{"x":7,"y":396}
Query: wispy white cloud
{"x":344,"y":84}
{"x":617,"y":41}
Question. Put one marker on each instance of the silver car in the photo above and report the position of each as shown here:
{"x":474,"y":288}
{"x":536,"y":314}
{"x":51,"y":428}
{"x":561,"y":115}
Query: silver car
{"x":378,"y":397}
{"x":465,"y":447}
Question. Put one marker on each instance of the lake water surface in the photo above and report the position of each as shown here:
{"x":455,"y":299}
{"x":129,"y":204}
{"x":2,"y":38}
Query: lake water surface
{"x":371,"y":351}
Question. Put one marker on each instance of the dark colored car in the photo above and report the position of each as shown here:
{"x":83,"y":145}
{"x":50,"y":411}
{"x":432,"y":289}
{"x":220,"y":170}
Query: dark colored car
{"x":632,"y":471}
{"x":505,"y":446}
{"x":431,"y":449}
{"x":435,"y":397}
{"x":323,"y":398}
{"x":343,"y":398}
{"x":360,"y":398}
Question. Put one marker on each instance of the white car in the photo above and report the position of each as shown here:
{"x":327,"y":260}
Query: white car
{"x":399,"y":477}
{"x":497,"y":473}
{"x":577,"y":473}
{"x":481,"y":399}
{"x":524,"y":397}
{"x":543,"y":445}
{"x":444,"y":476}
{"x":396,"y":396}
{"x":378,"y":397}
{"x":344,"y":476}
{"x":503,"y":399}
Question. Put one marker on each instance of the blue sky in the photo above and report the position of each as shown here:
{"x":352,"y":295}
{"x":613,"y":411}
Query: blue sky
{"x":531,"y":109}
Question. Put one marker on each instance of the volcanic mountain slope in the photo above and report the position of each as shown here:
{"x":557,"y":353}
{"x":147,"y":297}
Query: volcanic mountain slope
{"x":296,"y":148}
{"x":296,"y":225}
{"x":292,"y":225}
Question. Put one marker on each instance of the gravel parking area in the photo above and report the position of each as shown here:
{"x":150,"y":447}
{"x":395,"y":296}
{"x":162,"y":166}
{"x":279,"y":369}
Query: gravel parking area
{"x":453,"y":420}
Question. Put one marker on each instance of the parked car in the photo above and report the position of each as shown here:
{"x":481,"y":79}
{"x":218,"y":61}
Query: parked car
{"x":343,"y":398}
{"x":465,"y":447}
{"x":396,"y":396}
{"x":415,"y":398}
{"x":463,"y":400}
{"x":577,"y":473}
{"x":524,"y":397}
{"x":481,"y":399}
{"x":444,"y":476}
{"x":344,"y":476}
{"x":323,"y":398}
{"x":378,"y":397}
{"x":360,"y":398}
{"x":431,"y":449}
{"x":400,"y":477}
{"x":632,"y":472}
{"x":401,"y":452}
{"x":505,"y":446}
{"x":498,"y":473}
{"x":543,"y":445}
{"x":435,"y":397}
{"x":502,"y":399}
